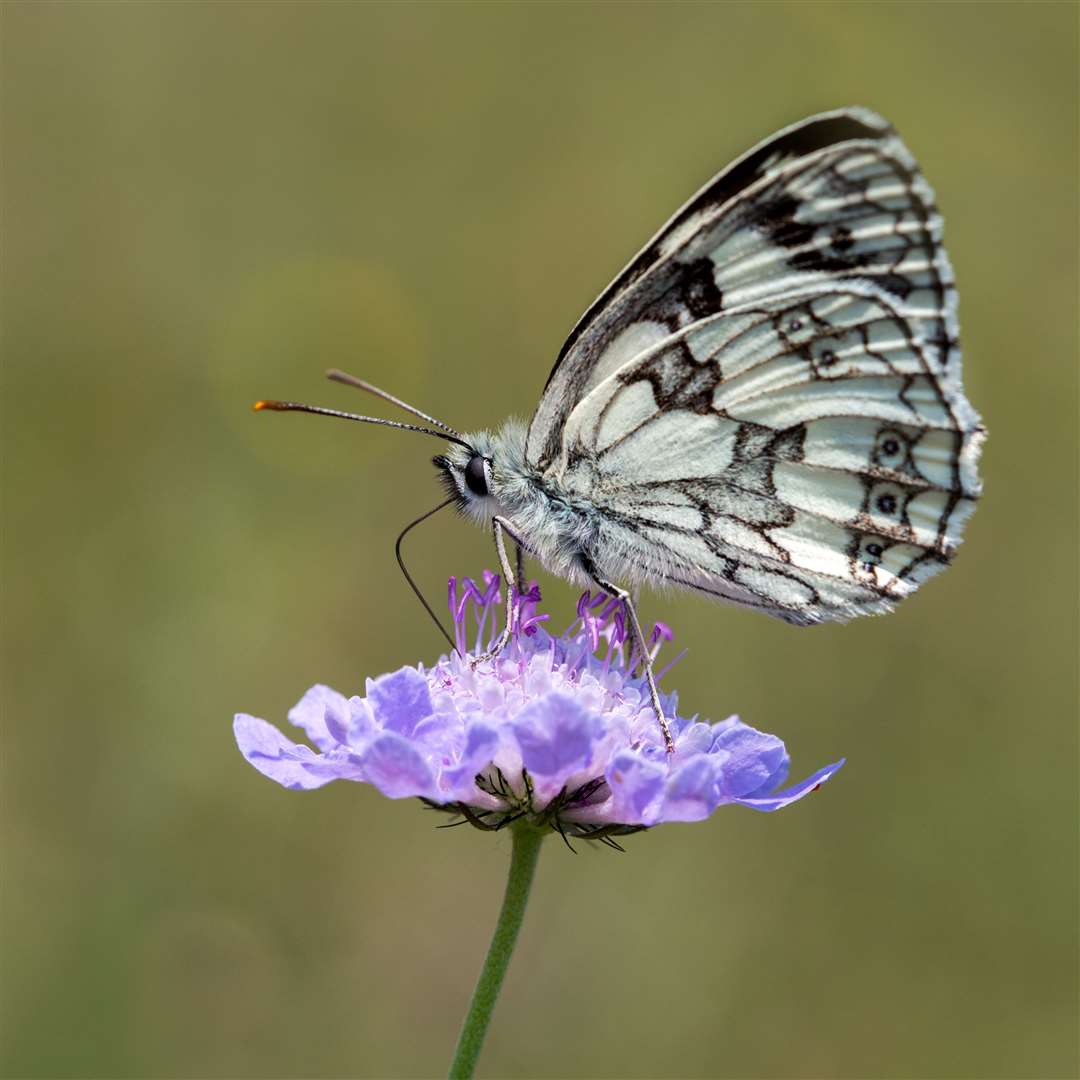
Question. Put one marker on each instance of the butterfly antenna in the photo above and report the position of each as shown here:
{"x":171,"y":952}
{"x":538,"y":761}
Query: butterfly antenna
{"x":362,"y":384}
{"x":296,"y":406}
{"x":408,"y":577}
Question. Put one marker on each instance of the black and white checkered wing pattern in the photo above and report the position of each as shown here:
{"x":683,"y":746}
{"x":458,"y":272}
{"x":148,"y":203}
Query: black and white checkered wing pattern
{"x":803,"y":455}
{"x":766,"y":405}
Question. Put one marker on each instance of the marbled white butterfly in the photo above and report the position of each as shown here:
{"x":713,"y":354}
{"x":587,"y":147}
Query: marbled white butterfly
{"x":764,"y":407}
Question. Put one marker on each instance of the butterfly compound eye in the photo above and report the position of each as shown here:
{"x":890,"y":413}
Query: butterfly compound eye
{"x":475,"y":480}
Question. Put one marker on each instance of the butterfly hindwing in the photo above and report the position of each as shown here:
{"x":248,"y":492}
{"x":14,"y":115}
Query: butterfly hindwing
{"x":805,"y":454}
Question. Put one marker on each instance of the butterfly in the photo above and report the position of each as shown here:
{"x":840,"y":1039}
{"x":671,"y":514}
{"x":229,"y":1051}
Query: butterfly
{"x":765,"y":406}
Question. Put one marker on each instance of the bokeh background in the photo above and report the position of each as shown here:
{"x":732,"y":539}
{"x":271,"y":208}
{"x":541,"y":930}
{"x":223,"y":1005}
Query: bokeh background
{"x":209,"y":203}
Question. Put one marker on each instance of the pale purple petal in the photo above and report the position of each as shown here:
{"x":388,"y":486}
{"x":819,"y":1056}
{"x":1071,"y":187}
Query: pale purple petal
{"x":755,"y":764}
{"x":323,"y":714}
{"x":292,"y":765}
{"x":481,"y":743}
{"x":695,"y":739}
{"x":361,"y":721}
{"x":636,"y":785}
{"x":400,"y":700}
{"x":556,"y":735}
{"x":393,"y":765}
{"x":793,"y":793}
{"x":691,"y":793}
{"x":438,"y":740}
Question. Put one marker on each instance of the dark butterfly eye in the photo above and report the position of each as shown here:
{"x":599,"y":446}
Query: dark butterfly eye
{"x":475,"y":480}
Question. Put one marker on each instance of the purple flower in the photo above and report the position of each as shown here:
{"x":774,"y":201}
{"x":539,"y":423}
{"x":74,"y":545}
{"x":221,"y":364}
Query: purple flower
{"x":558,"y":729}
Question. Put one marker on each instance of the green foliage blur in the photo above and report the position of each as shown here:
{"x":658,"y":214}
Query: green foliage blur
{"x":205,"y":204}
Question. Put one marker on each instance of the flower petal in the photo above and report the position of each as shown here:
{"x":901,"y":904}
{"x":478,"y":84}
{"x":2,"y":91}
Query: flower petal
{"x":556,"y":736}
{"x":323,"y":714}
{"x":636,"y":785}
{"x":481,"y":744}
{"x":400,"y":700}
{"x":793,"y":793}
{"x":361,"y":721}
{"x":393,"y":765}
{"x":691,"y":793}
{"x":292,"y":765}
{"x":755,"y":762}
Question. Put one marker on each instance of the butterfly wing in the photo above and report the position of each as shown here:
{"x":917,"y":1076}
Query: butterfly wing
{"x":766,"y":404}
{"x":803,"y":454}
{"x":673,"y":281}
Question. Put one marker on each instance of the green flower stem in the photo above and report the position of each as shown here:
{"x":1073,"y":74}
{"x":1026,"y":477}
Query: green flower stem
{"x":524,"y":854}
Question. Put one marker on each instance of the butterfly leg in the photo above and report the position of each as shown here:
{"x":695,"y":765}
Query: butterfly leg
{"x":499,"y":526}
{"x":639,"y":639}
{"x":519,"y":554}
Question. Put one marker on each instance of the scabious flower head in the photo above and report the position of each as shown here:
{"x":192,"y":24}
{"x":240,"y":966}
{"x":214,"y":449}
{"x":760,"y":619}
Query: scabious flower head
{"x":560,"y":730}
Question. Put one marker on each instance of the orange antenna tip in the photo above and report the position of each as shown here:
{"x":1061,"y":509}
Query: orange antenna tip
{"x":260,"y":405}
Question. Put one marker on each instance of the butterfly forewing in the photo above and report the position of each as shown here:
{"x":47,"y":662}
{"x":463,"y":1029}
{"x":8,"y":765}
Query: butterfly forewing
{"x":766,"y":404}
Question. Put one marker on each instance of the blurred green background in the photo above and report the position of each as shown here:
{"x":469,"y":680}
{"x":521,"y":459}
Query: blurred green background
{"x":206,"y":204}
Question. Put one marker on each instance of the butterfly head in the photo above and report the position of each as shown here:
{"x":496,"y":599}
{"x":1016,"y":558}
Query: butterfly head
{"x":486,"y":472}
{"x":467,"y":472}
